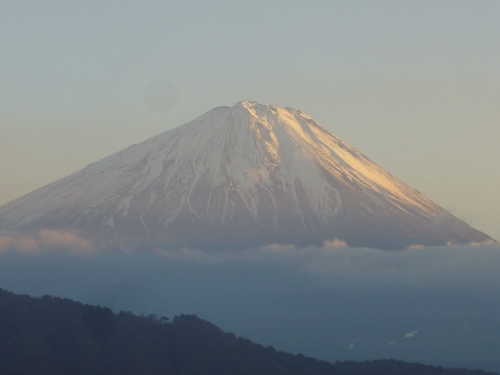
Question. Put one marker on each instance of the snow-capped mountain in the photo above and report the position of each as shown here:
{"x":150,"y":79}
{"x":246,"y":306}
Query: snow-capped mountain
{"x":237,"y":177}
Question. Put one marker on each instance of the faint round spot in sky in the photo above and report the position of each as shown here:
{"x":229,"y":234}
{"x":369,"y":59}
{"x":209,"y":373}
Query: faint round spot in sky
{"x":160,"y":96}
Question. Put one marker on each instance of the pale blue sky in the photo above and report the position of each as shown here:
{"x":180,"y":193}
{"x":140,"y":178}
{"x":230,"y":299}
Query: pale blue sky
{"x":414,"y":85}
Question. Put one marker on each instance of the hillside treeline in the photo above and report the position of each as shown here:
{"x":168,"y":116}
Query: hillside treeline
{"x":50,"y":335}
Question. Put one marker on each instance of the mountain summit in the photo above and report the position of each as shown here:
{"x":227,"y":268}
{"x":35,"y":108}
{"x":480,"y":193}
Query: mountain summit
{"x":237,"y":177}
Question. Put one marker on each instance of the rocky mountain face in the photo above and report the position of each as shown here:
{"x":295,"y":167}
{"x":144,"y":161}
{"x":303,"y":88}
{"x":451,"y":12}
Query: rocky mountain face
{"x":237,"y":177}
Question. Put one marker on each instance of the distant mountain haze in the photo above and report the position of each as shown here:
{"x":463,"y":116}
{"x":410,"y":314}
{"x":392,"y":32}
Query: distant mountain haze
{"x":239,"y":177}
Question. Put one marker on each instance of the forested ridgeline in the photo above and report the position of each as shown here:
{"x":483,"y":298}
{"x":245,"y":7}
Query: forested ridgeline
{"x":50,"y":335}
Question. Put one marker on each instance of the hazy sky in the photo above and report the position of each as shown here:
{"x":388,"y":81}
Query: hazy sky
{"x":415,"y":86}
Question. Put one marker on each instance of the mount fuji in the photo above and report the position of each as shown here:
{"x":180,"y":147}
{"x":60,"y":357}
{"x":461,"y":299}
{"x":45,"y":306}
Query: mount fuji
{"x":237,"y":177}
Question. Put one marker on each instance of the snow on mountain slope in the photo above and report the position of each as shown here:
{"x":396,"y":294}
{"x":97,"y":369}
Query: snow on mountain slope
{"x":235,"y":177}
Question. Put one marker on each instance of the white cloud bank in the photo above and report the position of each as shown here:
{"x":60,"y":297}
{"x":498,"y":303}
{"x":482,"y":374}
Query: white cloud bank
{"x":313,"y":300}
{"x":450,"y":267}
{"x":471,"y":267}
{"x":45,"y":239}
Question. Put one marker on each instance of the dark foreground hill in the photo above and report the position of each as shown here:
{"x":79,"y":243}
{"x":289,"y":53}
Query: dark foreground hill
{"x":52,"y":335}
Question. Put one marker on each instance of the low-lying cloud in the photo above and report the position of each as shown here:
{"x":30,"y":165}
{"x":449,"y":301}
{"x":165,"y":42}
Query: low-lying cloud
{"x":46,"y":239}
{"x":20,"y":243}
{"x":458,"y":267}
{"x":453,"y":267}
{"x":314,"y":300}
